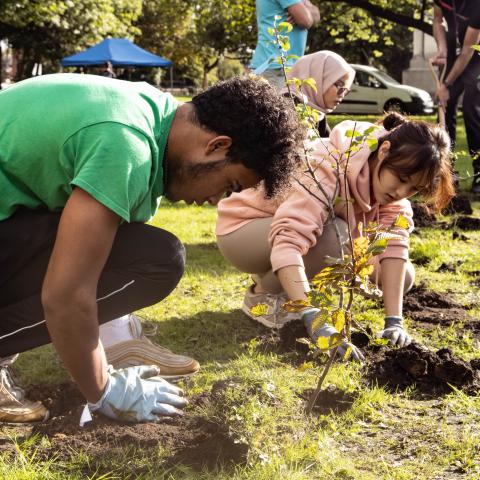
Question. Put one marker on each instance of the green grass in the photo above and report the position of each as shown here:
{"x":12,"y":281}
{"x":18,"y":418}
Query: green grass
{"x":383,"y":436}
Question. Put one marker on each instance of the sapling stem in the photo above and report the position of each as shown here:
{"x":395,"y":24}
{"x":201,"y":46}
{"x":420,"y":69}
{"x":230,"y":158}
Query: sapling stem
{"x":314,"y":396}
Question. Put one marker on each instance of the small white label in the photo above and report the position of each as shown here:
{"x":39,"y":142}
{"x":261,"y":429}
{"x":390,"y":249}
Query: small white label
{"x":86,"y":415}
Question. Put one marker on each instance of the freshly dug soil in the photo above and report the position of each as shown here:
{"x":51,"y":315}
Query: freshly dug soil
{"x":431,"y":372}
{"x":449,"y":267}
{"x":459,"y":236}
{"x":330,"y":400}
{"x":191,"y":440}
{"x":466,"y":223}
{"x":428,"y":307}
{"x":460,"y":204}
{"x":289,"y":334}
{"x":422,"y":217}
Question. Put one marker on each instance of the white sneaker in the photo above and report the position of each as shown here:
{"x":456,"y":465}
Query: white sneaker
{"x":275,"y":316}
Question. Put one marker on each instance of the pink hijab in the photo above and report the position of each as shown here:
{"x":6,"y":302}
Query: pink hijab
{"x":326,"y":68}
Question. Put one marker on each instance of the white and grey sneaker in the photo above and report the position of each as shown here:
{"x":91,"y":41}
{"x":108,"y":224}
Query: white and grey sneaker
{"x":275,"y":316}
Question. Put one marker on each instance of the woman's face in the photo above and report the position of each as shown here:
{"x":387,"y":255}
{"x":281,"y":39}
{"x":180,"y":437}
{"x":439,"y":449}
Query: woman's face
{"x":337,"y":92}
{"x":387,"y":186}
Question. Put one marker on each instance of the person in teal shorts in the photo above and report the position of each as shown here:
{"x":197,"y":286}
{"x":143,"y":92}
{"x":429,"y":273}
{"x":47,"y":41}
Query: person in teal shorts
{"x":302,"y":14}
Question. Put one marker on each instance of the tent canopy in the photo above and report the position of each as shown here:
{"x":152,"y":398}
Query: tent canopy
{"x":121,"y":52}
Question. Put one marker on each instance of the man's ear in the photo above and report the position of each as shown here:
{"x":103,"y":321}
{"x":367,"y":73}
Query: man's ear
{"x":220,"y":142}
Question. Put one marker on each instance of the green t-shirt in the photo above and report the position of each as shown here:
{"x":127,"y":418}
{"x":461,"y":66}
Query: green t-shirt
{"x":105,"y":136}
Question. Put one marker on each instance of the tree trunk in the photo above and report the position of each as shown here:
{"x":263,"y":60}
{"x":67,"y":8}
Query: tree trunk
{"x":207,"y":67}
{"x":205,"y":77}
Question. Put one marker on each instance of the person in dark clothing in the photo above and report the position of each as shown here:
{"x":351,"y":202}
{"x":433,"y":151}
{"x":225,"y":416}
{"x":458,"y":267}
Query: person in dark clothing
{"x":462,"y":65}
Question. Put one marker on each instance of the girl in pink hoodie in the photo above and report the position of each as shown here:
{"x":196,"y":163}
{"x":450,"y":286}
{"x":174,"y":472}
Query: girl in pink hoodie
{"x":283,"y":241}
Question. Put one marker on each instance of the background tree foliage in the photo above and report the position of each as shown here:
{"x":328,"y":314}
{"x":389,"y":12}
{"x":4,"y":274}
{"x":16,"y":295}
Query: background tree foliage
{"x":197,"y":35}
{"x":47,"y":30}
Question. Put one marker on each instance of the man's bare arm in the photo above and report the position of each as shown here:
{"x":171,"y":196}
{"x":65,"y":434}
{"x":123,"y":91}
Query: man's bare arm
{"x":300,"y":15}
{"x":84,"y":240}
{"x":440,"y":35}
{"x":472,"y":37}
{"x":314,"y":11}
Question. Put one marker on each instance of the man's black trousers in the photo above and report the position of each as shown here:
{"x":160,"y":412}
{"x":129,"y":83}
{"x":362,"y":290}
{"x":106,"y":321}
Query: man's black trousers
{"x":469,"y":84}
{"x":144,"y":266}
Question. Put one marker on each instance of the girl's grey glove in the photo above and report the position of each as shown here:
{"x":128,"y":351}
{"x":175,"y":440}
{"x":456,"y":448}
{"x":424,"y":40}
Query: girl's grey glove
{"x":133,"y":395}
{"x":327,"y":330}
{"x":394,"y":332}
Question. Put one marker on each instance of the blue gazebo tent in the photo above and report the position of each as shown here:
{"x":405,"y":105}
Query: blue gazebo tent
{"x":120,"y":52}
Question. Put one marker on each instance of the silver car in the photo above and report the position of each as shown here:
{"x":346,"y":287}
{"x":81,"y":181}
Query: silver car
{"x":374,"y":91}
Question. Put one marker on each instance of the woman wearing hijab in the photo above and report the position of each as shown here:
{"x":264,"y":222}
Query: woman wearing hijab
{"x":333,"y":77}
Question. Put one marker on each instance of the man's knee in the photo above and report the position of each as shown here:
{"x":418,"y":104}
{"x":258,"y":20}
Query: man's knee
{"x":153,"y":253}
{"x":167,"y":259}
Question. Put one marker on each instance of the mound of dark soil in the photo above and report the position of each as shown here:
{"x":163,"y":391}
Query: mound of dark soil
{"x":460,"y":204}
{"x":289,"y":334}
{"x":430,"y":372}
{"x":428,"y":307}
{"x":422,"y":217}
{"x":466,"y":223}
{"x":459,"y":236}
{"x":449,"y":267}
{"x":330,"y":400}
{"x":190,"y":440}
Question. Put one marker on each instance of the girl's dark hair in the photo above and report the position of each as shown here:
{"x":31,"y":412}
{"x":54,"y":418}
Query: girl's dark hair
{"x":418,"y":146}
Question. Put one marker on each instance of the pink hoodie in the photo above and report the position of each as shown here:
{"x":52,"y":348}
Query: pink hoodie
{"x":298,"y":217}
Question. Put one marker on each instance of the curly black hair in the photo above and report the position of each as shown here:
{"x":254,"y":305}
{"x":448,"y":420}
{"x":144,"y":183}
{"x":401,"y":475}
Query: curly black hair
{"x":264,"y":127}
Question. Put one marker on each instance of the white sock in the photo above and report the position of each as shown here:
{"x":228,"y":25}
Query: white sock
{"x":116,"y":331}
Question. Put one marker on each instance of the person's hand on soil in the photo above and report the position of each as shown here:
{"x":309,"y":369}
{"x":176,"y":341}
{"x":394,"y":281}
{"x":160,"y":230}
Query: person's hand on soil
{"x":137,"y":394}
{"x":394,"y":332}
{"x":327,"y":330}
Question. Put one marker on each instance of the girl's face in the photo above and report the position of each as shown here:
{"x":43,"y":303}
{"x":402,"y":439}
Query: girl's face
{"x":337,"y":92}
{"x":387,"y":186}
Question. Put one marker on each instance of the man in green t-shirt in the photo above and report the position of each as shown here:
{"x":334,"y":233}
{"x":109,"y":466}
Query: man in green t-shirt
{"x":84,"y":161}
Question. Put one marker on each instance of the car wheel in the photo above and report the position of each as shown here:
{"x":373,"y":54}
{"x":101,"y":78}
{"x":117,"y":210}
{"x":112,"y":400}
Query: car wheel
{"x":394,"y":105}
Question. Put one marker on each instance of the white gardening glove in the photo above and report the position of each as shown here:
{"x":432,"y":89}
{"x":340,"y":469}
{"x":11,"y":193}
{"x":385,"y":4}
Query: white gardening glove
{"x":394,"y":331}
{"x":132,"y":395}
{"x":327,"y":330}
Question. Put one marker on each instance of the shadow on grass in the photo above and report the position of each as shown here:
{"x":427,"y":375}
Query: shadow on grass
{"x":207,"y":336}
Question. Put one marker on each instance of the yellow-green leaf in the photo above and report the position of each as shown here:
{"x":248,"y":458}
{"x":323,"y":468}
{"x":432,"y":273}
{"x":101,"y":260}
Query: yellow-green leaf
{"x":296,"y":305}
{"x":347,"y":353}
{"x":310,"y":82}
{"x":323,"y":343}
{"x":338,"y":319}
{"x":259,"y":310}
{"x":285,"y":26}
{"x":317,"y":322}
{"x":401,"y":222}
{"x":305,"y":366}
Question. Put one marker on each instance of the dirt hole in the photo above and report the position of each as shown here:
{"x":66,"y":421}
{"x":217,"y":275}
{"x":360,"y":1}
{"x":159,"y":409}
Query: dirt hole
{"x":330,"y":400}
